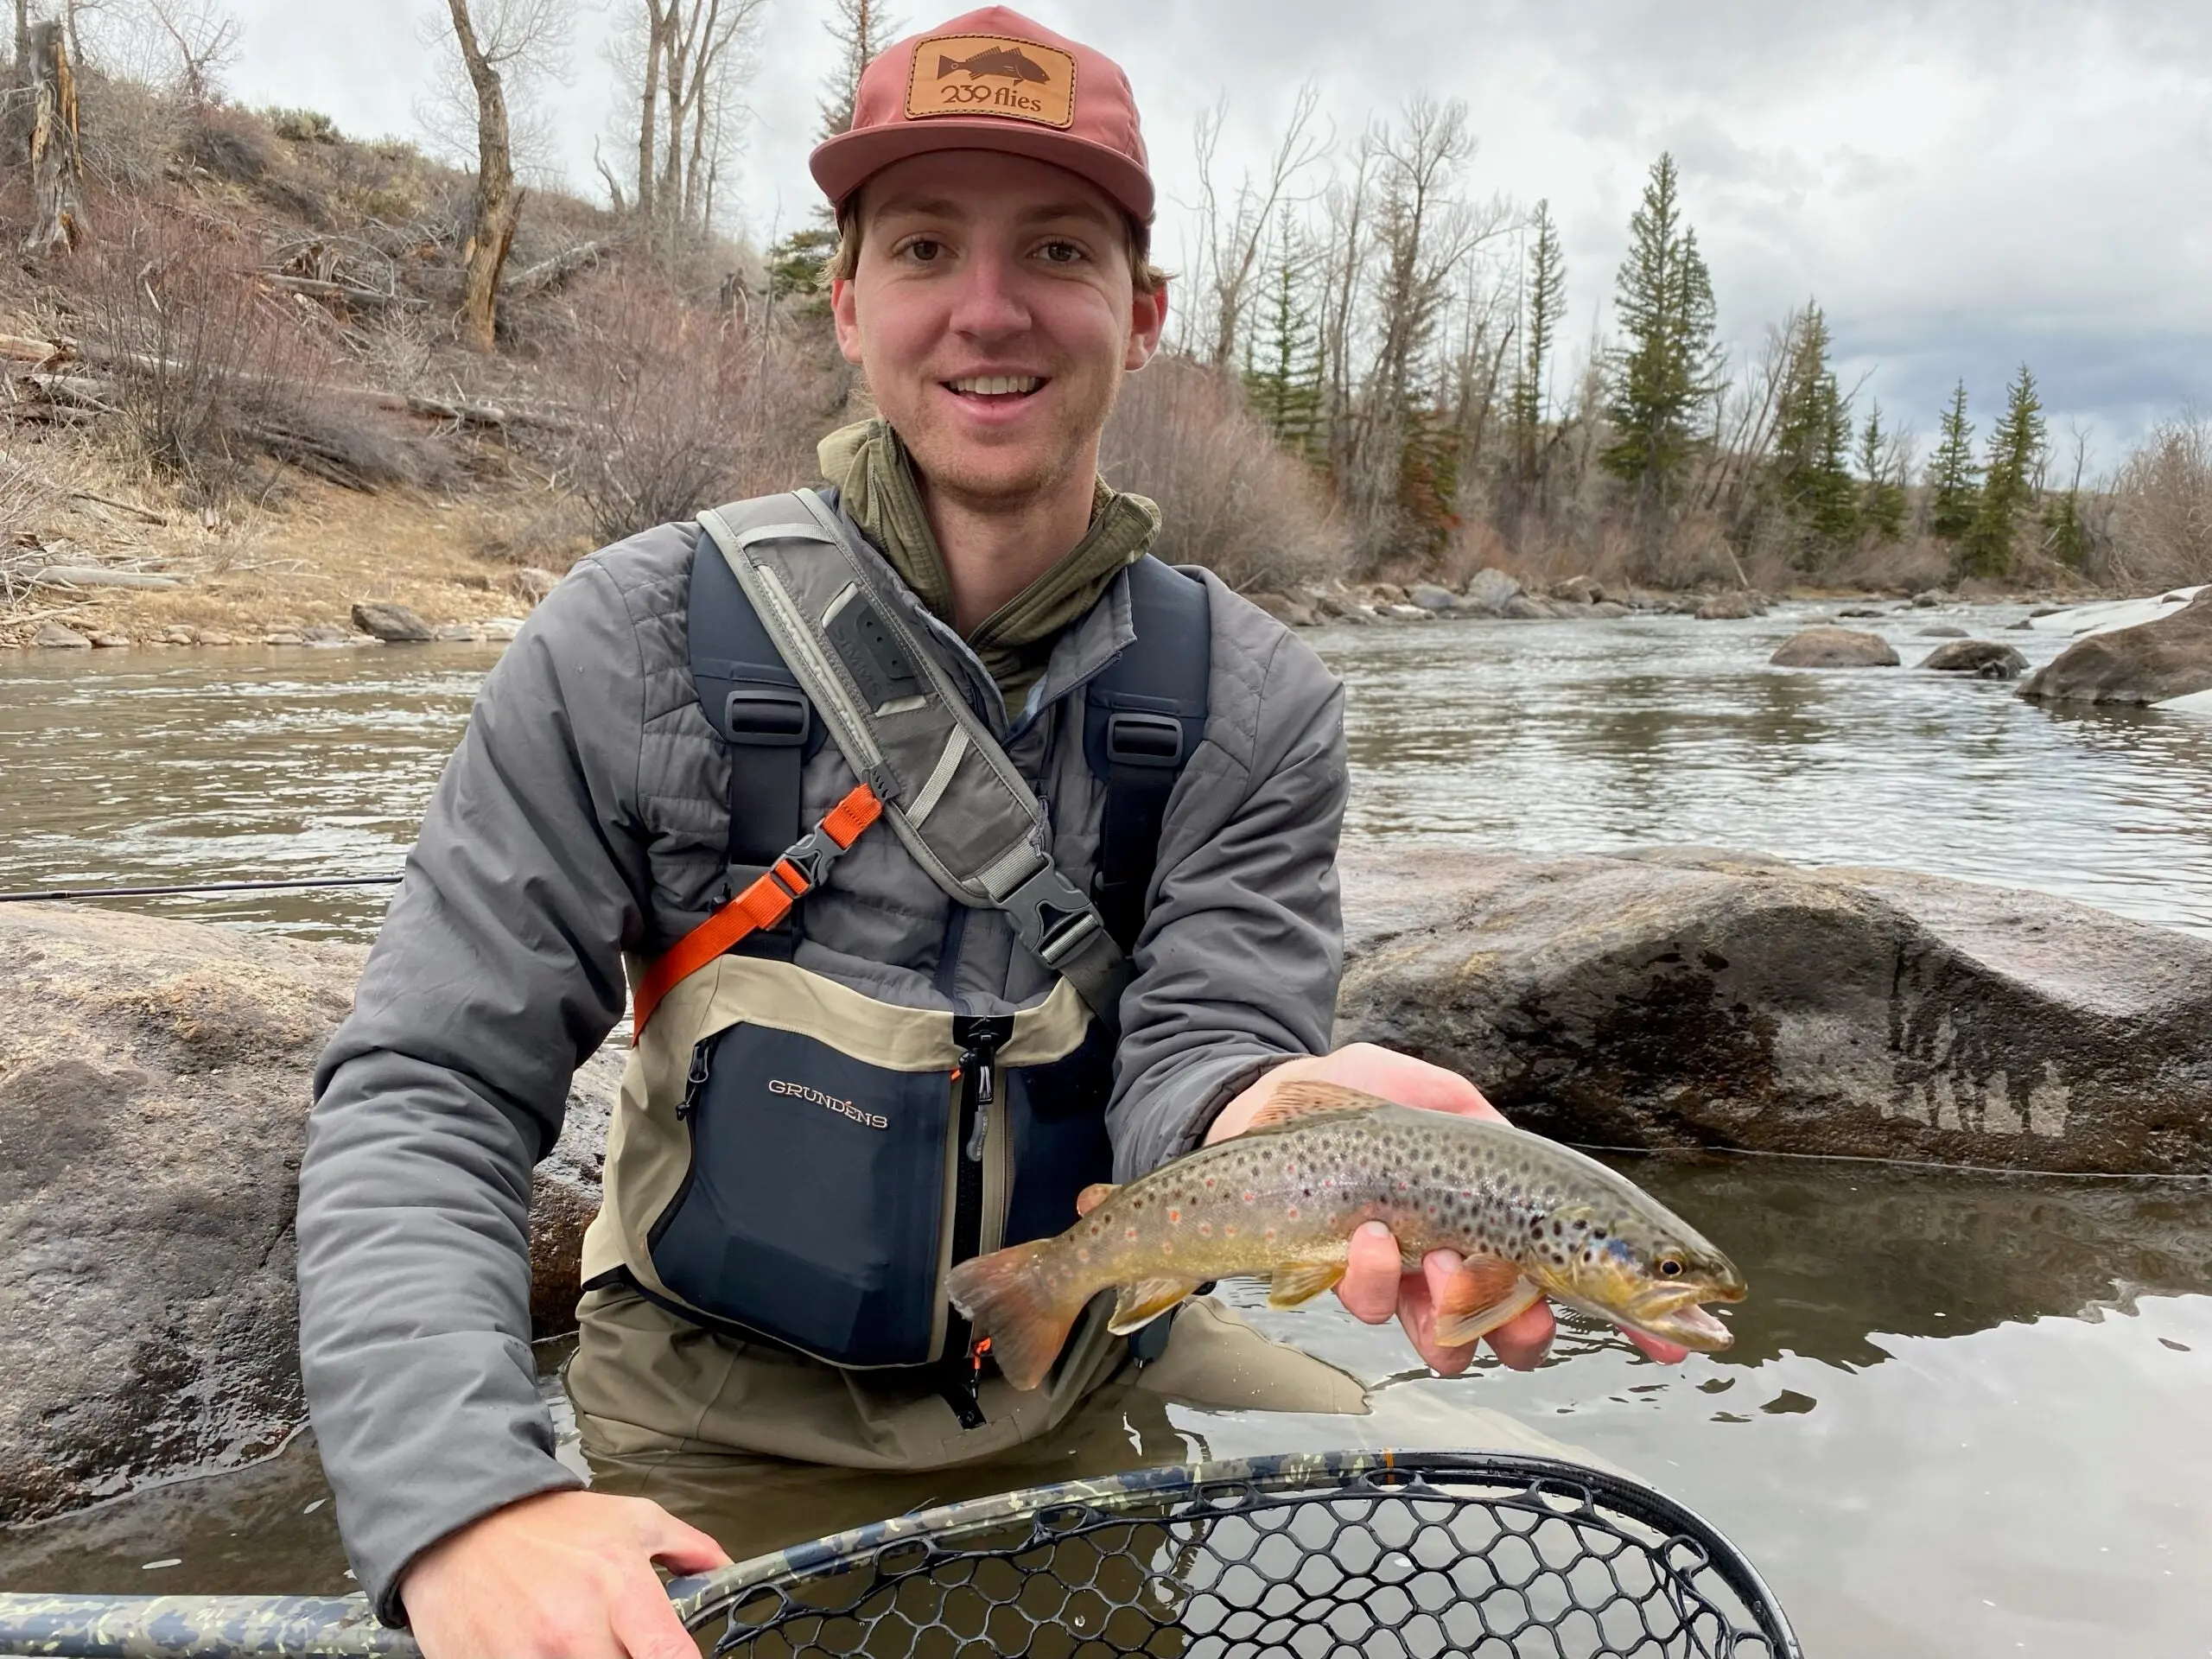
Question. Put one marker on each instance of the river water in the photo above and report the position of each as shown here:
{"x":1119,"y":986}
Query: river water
{"x":1965,"y":1414}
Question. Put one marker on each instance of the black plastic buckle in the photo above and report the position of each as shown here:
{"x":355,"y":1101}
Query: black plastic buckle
{"x":1051,"y":915}
{"x":767,"y":717}
{"x":1138,"y":740}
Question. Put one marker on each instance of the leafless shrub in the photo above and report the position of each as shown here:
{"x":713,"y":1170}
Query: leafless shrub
{"x":675,"y":406}
{"x":210,"y":369}
{"x":2162,"y":509}
{"x":27,"y":500}
{"x":1229,"y":498}
{"x":1906,"y":567}
{"x":131,"y":132}
{"x":232,"y":145}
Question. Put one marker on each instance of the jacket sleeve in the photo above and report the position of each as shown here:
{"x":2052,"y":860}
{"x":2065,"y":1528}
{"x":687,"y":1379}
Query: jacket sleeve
{"x":499,"y":970}
{"x":1237,"y":966}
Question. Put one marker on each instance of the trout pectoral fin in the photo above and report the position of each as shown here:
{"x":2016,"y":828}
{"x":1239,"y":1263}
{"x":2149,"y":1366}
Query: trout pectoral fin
{"x":1485,"y":1293}
{"x":1293,"y":1285}
{"x":1092,"y":1196}
{"x":1140,"y":1304}
{"x":1298,"y":1103}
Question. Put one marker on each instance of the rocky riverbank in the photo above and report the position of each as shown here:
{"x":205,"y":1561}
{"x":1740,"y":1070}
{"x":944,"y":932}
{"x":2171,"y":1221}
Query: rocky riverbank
{"x":155,"y":1078}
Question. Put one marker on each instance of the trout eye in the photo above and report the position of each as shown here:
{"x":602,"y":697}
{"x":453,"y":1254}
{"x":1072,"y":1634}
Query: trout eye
{"x":1669,"y":1267}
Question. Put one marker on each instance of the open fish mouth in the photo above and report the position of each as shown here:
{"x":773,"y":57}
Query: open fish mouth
{"x":1677,"y":1318}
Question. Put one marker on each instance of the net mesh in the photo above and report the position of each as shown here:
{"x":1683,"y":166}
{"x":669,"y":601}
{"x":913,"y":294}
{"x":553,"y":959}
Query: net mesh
{"x":1446,"y":1555}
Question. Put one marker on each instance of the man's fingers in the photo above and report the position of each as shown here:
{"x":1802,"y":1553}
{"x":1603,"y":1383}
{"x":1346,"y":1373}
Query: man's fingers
{"x":678,"y":1547}
{"x":1369,"y":1287}
{"x":644,"y":1621}
{"x":1523,"y":1340}
{"x":1418,"y":1293}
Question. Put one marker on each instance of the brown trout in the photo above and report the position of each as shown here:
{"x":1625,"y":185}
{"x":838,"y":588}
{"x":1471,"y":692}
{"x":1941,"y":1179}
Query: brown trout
{"x":1532,"y":1217}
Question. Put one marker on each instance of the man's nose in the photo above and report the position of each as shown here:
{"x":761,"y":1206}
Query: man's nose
{"x":989,"y":303}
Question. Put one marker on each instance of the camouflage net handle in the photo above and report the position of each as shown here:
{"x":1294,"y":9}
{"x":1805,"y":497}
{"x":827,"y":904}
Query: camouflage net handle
{"x":343,"y":1627}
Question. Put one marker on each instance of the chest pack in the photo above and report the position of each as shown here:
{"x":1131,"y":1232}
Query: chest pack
{"x":794,"y":1159}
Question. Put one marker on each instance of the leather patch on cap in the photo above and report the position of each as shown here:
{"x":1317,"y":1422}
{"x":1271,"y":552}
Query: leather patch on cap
{"x":991,"y":74}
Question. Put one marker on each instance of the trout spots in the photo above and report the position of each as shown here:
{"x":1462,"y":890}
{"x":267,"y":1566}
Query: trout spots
{"x":1290,"y":1214}
{"x":1228,"y":1229}
{"x":1268,"y":1235}
{"x":1175,"y":1216}
{"x":1205,"y":1229}
{"x":1251,"y":1198}
{"x":1082,"y":1253}
{"x":1130,"y":1234}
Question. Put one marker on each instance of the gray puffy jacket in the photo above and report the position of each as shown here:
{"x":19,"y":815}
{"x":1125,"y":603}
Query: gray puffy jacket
{"x":581,"y":820}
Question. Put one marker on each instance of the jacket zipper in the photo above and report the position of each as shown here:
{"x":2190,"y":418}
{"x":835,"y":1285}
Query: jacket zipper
{"x":980,"y":1037}
{"x":695,"y":1080}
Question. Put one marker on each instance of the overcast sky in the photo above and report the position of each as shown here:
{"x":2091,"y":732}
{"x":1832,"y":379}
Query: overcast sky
{"x":1963,"y":184}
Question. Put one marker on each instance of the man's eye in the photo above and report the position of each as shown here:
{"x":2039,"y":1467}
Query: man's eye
{"x":922,"y":251}
{"x":1061,"y":253}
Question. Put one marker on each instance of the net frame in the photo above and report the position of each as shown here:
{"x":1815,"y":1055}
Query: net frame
{"x":1493,"y":1554}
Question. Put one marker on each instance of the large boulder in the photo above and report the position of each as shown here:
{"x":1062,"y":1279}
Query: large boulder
{"x":2154,"y":662}
{"x":1826,"y":647}
{"x":153,"y":1086}
{"x":1491,"y":590}
{"x":1983,"y":659}
{"x":1735,"y":605}
{"x":1703,"y":999}
{"x":1430,"y":597}
{"x":393,"y":624}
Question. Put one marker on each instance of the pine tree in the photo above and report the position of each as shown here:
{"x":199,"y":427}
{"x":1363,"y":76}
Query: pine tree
{"x":1811,"y":443}
{"x":1953,"y":480}
{"x":1282,"y":356}
{"x":1542,"y":305}
{"x":1665,"y":377}
{"x":1882,"y":504}
{"x":2016,"y":454}
{"x":861,"y":30}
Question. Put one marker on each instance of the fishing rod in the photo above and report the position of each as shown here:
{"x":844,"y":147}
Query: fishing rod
{"x":59,"y":894}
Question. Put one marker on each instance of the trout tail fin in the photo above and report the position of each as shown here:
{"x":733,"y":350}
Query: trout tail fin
{"x":1008,"y":1297}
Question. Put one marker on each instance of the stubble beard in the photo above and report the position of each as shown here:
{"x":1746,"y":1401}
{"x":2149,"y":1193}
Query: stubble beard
{"x":982,"y":479}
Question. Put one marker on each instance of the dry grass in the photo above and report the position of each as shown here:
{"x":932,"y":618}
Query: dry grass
{"x":301,"y":563}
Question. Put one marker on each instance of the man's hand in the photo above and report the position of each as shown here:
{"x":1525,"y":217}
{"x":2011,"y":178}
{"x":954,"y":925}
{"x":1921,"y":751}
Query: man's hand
{"x":1373,"y":1286}
{"x":563,"y":1575}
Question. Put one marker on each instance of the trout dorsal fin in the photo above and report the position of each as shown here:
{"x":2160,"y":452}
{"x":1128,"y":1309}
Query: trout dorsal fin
{"x":1301,"y":1103}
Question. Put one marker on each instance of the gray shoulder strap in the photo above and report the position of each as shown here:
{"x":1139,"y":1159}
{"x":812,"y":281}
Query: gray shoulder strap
{"x":948,"y":789}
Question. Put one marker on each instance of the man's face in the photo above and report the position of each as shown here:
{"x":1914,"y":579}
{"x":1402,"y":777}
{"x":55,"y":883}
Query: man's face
{"x":994,"y":312}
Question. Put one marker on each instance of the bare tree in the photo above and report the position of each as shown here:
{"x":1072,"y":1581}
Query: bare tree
{"x":57,"y":169}
{"x":498,"y":201}
{"x":202,"y":36}
{"x":526,"y":43}
{"x":686,"y":61}
{"x":1229,"y":255}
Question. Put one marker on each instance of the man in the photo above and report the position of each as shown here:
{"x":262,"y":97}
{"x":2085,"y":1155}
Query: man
{"x":993,"y":285}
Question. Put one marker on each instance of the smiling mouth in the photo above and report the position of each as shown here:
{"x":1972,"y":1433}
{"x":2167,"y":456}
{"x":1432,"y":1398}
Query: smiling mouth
{"x":995,"y":388}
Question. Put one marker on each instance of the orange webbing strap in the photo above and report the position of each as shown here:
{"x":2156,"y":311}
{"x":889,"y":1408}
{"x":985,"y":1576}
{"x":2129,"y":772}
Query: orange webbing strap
{"x":763,"y":905}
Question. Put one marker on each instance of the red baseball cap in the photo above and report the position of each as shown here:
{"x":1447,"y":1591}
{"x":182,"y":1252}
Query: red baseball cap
{"x":992,"y":80}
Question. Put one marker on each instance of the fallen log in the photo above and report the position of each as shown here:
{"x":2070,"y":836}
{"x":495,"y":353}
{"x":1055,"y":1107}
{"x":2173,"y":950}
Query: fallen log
{"x":96,"y":576}
{"x":548,"y":274}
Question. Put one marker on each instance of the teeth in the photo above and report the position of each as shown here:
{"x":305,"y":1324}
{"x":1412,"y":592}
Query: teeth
{"x":997,"y":385}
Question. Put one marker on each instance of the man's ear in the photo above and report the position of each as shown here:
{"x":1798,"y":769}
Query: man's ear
{"x":1147,"y":320}
{"x":844,"y":310}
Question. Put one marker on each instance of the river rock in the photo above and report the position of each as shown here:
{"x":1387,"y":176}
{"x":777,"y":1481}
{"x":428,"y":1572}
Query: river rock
{"x":2153,"y":662}
{"x":1928,"y":599}
{"x":1430,"y":597}
{"x":1859,"y":613}
{"x":1940,"y":631}
{"x":1983,"y":659}
{"x":393,"y":624}
{"x":1284,"y":610}
{"x":1491,"y":590}
{"x":113,"y":642}
{"x":1578,"y":590}
{"x":1835,"y":648}
{"x":154,"y":1087}
{"x":51,"y":636}
{"x":1734,"y":607}
{"x":1695,"y":998}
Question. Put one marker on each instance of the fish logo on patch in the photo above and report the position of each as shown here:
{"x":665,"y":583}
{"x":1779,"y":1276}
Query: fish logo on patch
{"x":991,"y":74}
